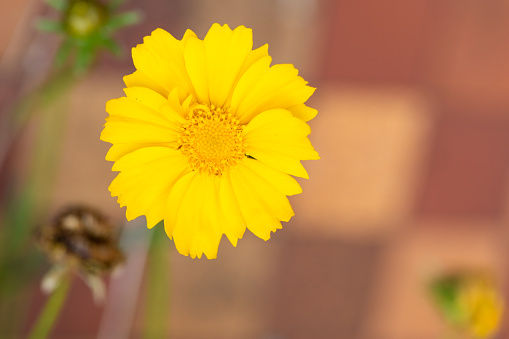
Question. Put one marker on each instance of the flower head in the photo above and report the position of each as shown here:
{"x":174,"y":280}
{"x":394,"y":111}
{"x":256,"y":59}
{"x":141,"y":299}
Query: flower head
{"x":207,"y":138}
{"x":87,"y":27}
{"x":81,"y":240}
{"x":84,"y":18}
{"x":470,"y":301}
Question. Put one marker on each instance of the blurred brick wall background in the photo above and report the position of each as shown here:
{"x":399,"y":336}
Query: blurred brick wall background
{"x":413,"y":131}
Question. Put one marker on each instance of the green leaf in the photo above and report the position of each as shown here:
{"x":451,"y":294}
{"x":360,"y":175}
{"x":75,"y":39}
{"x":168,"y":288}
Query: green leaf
{"x":49,"y":26}
{"x":115,"y":4}
{"x":122,"y":20}
{"x":59,"y":5}
{"x":446,"y":294}
{"x":113,"y":47}
{"x":84,"y":59}
{"x":63,"y":53}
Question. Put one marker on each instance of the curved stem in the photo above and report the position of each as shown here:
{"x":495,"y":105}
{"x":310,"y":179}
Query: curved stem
{"x":51,"y":311}
{"x":158,"y":286}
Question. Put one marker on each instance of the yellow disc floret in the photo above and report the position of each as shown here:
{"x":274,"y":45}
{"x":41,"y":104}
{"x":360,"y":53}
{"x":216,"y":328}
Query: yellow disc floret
{"x":211,"y":139}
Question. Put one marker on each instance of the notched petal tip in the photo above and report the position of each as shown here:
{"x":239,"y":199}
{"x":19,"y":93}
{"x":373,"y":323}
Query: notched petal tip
{"x":159,"y":31}
{"x":233,"y":240}
{"x":245,"y":29}
{"x":103,"y":137}
{"x":210,"y":256}
{"x":167,"y":229}
{"x":303,"y":174}
{"x":132,"y":213}
{"x":264,"y":237}
{"x":151,"y":222}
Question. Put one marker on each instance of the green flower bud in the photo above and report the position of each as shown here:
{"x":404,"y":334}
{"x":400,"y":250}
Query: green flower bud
{"x":83,"y":18}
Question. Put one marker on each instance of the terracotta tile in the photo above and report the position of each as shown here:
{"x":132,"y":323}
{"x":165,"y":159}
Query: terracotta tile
{"x":83,"y":174}
{"x":226,"y":298}
{"x":372,"y":142}
{"x":468,"y":168}
{"x":374,"y":40}
{"x":323,"y":288}
{"x":401,"y":305}
{"x":467,"y":59}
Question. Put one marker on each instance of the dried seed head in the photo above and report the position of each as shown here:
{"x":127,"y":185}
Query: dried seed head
{"x":81,"y":238}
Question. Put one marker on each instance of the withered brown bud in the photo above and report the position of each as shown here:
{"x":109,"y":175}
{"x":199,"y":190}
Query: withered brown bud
{"x":81,"y":238}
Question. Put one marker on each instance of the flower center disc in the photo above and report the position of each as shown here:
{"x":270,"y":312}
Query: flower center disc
{"x":211,"y":139}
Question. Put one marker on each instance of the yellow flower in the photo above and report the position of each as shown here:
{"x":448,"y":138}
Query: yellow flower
{"x":470,"y":301}
{"x":207,"y":138}
{"x":484,"y":305}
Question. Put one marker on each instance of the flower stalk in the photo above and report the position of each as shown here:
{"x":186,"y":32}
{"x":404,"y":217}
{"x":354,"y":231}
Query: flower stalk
{"x":158,"y":287}
{"x":51,"y":312}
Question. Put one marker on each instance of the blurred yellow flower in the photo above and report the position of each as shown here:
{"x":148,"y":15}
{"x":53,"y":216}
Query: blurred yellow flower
{"x":207,"y":138}
{"x":471,"y":302}
{"x":484,"y":306}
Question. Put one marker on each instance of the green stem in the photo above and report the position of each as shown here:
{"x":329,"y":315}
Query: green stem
{"x":51,"y":311}
{"x":30,"y":200}
{"x":158,"y":286}
{"x":26,"y":202}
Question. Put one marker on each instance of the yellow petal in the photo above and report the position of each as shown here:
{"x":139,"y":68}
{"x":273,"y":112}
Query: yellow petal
{"x":146,"y":178}
{"x":174,"y":103}
{"x":284,"y":183}
{"x":303,"y":112}
{"x":189,"y":34}
{"x":144,"y":156}
{"x":278,"y":139}
{"x":125,"y":109}
{"x":207,"y":239}
{"x":226,"y":52}
{"x":248,"y":81}
{"x":276,"y":87}
{"x":149,"y":110}
{"x":215,"y":64}
{"x":192,"y":217}
{"x":261,"y":204}
{"x":117,"y":151}
{"x":146,"y":97}
{"x":174,"y":201}
{"x":234,"y":225}
{"x":139,"y":79}
{"x":276,"y":122}
{"x":254,"y":56}
{"x":281,"y":163}
{"x":160,"y":58}
{"x":194,"y":55}
{"x":120,"y":131}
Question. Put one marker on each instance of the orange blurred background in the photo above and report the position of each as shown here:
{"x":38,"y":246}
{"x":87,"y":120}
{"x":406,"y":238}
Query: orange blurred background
{"x":413,"y":131}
